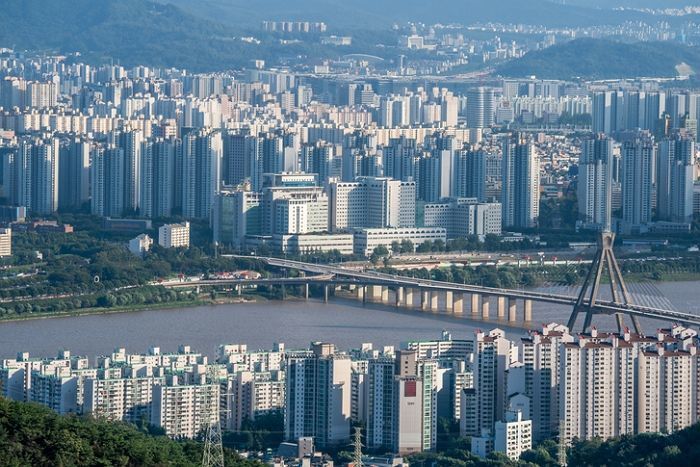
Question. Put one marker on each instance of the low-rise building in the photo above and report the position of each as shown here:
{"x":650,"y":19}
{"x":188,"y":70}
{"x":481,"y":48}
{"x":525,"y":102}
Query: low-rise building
{"x":5,"y":242}
{"x":366,"y":240}
{"x":174,"y":235}
{"x":140,"y":245}
{"x":310,"y":243}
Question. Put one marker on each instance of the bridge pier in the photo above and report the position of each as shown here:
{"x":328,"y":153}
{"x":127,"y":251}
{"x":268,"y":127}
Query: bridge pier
{"x":485,"y":306}
{"x":501,"y":308}
{"x":434,"y":300}
{"x":424,"y":299}
{"x":360,"y":293}
{"x":375,"y":293}
{"x":449,"y":301}
{"x":385,"y":295}
{"x":306,"y":291}
{"x":512,"y":310}
{"x":527,"y":311}
{"x":325,"y":293}
{"x":239,"y":289}
{"x":408,"y":298}
{"x":475,"y":304}
{"x":458,"y":303}
{"x":398,"y":296}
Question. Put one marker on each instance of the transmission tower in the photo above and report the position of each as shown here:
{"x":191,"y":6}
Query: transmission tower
{"x":561,"y":451}
{"x":357,"y":444}
{"x":604,"y":264}
{"x":213,"y":445}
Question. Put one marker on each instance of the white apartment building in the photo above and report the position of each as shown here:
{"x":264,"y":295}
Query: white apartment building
{"x":251,"y":394}
{"x":5,"y":242}
{"x":182,"y":408}
{"x":540,"y":357}
{"x":366,"y":240}
{"x":513,"y":436}
{"x":666,"y":390}
{"x":174,"y":235}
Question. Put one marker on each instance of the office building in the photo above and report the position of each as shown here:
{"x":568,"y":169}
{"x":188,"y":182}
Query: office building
{"x":372,"y":202}
{"x":462,"y":217}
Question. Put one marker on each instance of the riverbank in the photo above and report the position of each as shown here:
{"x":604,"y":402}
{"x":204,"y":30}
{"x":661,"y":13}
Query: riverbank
{"x":131,"y":308}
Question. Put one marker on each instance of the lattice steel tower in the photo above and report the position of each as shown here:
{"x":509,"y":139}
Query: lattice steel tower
{"x":213,"y":445}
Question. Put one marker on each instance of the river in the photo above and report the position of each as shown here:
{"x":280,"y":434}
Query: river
{"x":296,"y":323}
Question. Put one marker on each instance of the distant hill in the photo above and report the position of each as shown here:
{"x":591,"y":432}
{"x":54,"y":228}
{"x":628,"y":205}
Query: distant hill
{"x":381,"y":13}
{"x":132,"y":31}
{"x":605,"y":59}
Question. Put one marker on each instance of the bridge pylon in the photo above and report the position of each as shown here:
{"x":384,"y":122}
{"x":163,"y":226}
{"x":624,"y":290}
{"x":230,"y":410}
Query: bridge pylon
{"x":604,"y":265}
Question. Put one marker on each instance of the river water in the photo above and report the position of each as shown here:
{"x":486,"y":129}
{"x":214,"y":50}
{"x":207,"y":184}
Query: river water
{"x":296,"y":323}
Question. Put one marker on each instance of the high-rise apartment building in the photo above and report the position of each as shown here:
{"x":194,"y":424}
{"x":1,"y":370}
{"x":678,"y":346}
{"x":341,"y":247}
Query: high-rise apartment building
{"x":318,"y":395}
{"x":520,"y":187}
{"x":595,"y":179}
{"x":674,"y":178}
{"x":637,"y":181}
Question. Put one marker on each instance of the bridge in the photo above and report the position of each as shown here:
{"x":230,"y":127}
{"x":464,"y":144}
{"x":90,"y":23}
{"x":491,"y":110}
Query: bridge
{"x":430,"y":295}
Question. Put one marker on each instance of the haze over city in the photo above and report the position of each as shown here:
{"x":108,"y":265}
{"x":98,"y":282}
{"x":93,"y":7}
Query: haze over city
{"x":372,"y":233}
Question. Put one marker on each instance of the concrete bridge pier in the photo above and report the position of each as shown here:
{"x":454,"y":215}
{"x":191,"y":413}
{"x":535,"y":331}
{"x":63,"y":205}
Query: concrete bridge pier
{"x":306,"y":291}
{"x":360,"y":293}
{"x":485,"y":303}
{"x":475,"y":304}
{"x":424,"y":299}
{"x":385,"y":295}
{"x":375,"y":293}
{"x":458,"y":303}
{"x":512,"y":310}
{"x":527,"y":311}
{"x":449,"y":301}
{"x":501,"y":308}
{"x":399,"y":296}
{"x":408,"y":298}
{"x":239,"y":289}
{"x":284,"y":292}
{"x":434,"y":300}
{"x":325,"y":293}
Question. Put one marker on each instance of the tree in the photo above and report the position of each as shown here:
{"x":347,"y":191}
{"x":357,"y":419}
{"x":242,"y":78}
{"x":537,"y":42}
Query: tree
{"x":407,"y":246}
